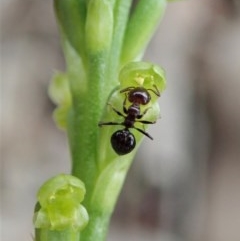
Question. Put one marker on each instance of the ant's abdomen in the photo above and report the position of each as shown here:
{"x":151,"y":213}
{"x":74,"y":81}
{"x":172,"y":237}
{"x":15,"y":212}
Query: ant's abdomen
{"x":123,"y":142}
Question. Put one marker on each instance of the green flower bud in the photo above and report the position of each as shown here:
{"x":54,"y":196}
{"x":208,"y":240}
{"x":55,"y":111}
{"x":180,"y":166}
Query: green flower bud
{"x":147,"y":75}
{"x":99,"y":25}
{"x":60,"y":94}
{"x":59,"y":205}
{"x":141,"y":26}
{"x":59,"y":90}
{"x":71,"y":16}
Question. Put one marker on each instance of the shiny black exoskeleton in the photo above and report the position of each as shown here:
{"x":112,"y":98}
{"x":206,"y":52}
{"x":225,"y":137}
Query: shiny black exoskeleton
{"x":123,"y":141}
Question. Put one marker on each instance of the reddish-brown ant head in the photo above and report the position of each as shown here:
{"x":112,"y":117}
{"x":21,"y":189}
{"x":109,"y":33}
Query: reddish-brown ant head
{"x":139,"y":96}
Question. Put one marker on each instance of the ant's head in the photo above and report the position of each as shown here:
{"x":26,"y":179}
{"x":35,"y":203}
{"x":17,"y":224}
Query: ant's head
{"x":137,"y":95}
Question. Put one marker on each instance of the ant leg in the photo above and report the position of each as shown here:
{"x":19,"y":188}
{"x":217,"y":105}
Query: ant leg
{"x":146,"y":122}
{"x":124,"y":104}
{"x":143,"y":132}
{"x":156,"y":91}
{"x":127,"y":89}
{"x":116,"y":111}
{"x":108,"y":124}
{"x":144,"y":112}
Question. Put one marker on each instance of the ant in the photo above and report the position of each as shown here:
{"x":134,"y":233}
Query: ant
{"x":123,"y":141}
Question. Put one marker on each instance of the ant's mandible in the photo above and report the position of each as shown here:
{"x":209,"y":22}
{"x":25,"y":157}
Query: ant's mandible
{"x":123,"y":141}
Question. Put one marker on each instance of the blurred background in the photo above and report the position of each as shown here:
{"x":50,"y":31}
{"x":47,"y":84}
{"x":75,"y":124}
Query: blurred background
{"x":184,"y":185}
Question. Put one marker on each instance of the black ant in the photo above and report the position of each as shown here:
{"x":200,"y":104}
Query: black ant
{"x":123,"y":141}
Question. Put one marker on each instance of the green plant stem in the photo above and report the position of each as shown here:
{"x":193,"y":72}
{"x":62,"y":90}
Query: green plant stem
{"x":86,"y":118}
{"x":83,"y":135}
{"x":93,"y":65}
{"x":97,"y":227}
{"x":101,"y":77}
{"x":66,"y":235}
